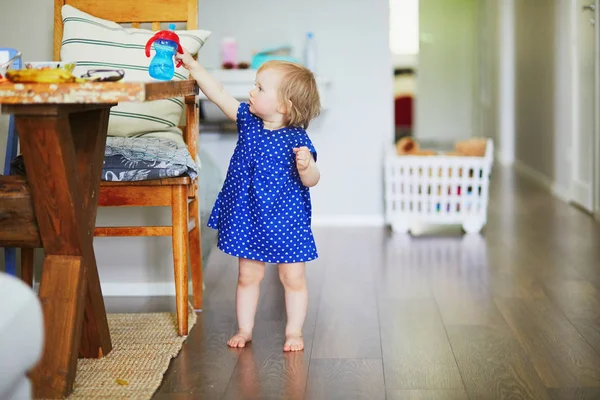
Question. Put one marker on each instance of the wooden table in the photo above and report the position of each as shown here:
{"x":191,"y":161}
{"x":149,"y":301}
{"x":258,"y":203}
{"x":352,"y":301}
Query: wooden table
{"x":62,"y":128}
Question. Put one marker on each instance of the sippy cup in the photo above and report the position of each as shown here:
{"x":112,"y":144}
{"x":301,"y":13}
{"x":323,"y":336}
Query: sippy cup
{"x":166,"y":44}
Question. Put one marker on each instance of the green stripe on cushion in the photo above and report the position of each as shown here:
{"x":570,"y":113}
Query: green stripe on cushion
{"x":196,"y":38}
{"x":104,"y":43}
{"x":142,"y":116}
{"x":177,"y":101}
{"x":87,"y":21}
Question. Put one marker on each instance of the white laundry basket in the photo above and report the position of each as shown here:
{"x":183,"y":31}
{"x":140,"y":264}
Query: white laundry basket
{"x":437,"y":189}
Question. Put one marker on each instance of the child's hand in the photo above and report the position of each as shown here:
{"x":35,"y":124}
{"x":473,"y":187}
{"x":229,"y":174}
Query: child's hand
{"x":303,"y":157}
{"x":186,"y":58}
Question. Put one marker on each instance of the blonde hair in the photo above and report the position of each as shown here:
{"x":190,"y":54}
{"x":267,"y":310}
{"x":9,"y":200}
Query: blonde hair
{"x":298,"y":87}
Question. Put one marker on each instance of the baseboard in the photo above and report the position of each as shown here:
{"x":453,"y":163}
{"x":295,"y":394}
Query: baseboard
{"x":134,"y":289}
{"x":503,"y":160}
{"x":342,"y":220}
{"x":525,"y":170}
{"x":142,"y":289}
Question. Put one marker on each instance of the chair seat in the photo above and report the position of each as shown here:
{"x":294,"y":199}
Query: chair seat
{"x":180,"y":180}
{"x":146,"y":159}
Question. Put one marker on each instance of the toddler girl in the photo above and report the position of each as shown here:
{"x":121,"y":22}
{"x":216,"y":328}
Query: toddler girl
{"x":263,"y":212}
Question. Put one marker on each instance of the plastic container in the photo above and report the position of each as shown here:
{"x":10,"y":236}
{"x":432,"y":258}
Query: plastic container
{"x":310,"y":52}
{"x":228,"y":51}
{"x":437,"y":190}
{"x":166,"y":44}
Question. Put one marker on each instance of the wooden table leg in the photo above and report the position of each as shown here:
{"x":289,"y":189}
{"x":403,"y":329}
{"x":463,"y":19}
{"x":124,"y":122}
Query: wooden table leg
{"x":89,"y":137}
{"x":62,"y":156}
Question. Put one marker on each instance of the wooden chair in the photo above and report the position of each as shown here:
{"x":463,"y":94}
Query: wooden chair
{"x":181,"y":193}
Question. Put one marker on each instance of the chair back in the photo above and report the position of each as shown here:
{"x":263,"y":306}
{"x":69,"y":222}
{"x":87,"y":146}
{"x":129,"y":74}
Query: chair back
{"x":136,"y":12}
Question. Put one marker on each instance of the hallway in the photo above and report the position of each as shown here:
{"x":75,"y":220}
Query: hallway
{"x":514,"y":313}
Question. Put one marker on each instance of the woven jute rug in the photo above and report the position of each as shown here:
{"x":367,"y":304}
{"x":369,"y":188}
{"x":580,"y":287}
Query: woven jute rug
{"x":143,"y":346}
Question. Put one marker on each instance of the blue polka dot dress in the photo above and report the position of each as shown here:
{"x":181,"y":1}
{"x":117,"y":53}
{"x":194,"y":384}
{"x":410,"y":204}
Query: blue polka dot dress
{"x":263,"y":211}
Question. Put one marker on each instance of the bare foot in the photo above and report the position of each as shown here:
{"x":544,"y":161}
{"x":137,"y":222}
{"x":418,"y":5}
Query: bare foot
{"x":293,"y":342}
{"x":239,"y":339}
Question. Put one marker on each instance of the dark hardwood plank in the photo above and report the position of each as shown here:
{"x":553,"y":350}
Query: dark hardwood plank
{"x":345,"y":301}
{"x":516,"y":284}
{"x":427,"y":395}
{"x":271,"y":305}
{"x":580,"y":302}
{"x":205,"y":364}
{"x":560,"y":355}
{"x":345,"y":379}
{"x":575,"y":394}
{"x":338,"y":333}
{"x":265,"y":371}
{"x":465,"y":296}
{"x":348,"y":296}
{"x":544,"y":262}
{"x":493,"y":364}
{"x":416,"y":351}
{"x":406,"y":268}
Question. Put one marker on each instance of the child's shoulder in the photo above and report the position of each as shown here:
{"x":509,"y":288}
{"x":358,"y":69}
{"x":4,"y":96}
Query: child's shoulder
{"x":297,"y":130}
{"x":244,"y":114}
{"x":301,"y":137}
{"x":244,"y":109}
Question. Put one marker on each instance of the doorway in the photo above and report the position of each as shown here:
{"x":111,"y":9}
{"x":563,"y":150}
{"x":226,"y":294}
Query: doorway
{"x":434,"y":46}
{"x":404,"y":47}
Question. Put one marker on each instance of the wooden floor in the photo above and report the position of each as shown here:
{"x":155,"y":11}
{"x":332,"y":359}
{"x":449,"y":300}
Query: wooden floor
{"x":511,"y":314}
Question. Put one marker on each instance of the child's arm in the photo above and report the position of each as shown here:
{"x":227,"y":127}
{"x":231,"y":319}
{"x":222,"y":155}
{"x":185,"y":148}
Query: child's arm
{"x":212,"y":88}
{"x":307,"y":167}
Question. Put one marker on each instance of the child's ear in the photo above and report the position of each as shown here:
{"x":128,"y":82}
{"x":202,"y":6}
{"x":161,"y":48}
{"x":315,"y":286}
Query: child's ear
{"x":285,"y":107}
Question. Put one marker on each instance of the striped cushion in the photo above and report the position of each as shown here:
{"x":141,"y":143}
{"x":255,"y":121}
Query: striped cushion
{"x":99,"y":44}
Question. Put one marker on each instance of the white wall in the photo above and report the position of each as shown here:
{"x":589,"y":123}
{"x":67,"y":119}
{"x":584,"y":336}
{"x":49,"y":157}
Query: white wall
{"x":505,"y":53}
{"x":487,"y":93}
{"x":353,"y":50}
{"x":542,"y":91}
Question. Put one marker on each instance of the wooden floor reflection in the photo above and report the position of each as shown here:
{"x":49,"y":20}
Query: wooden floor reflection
{"x":513,"y":313}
